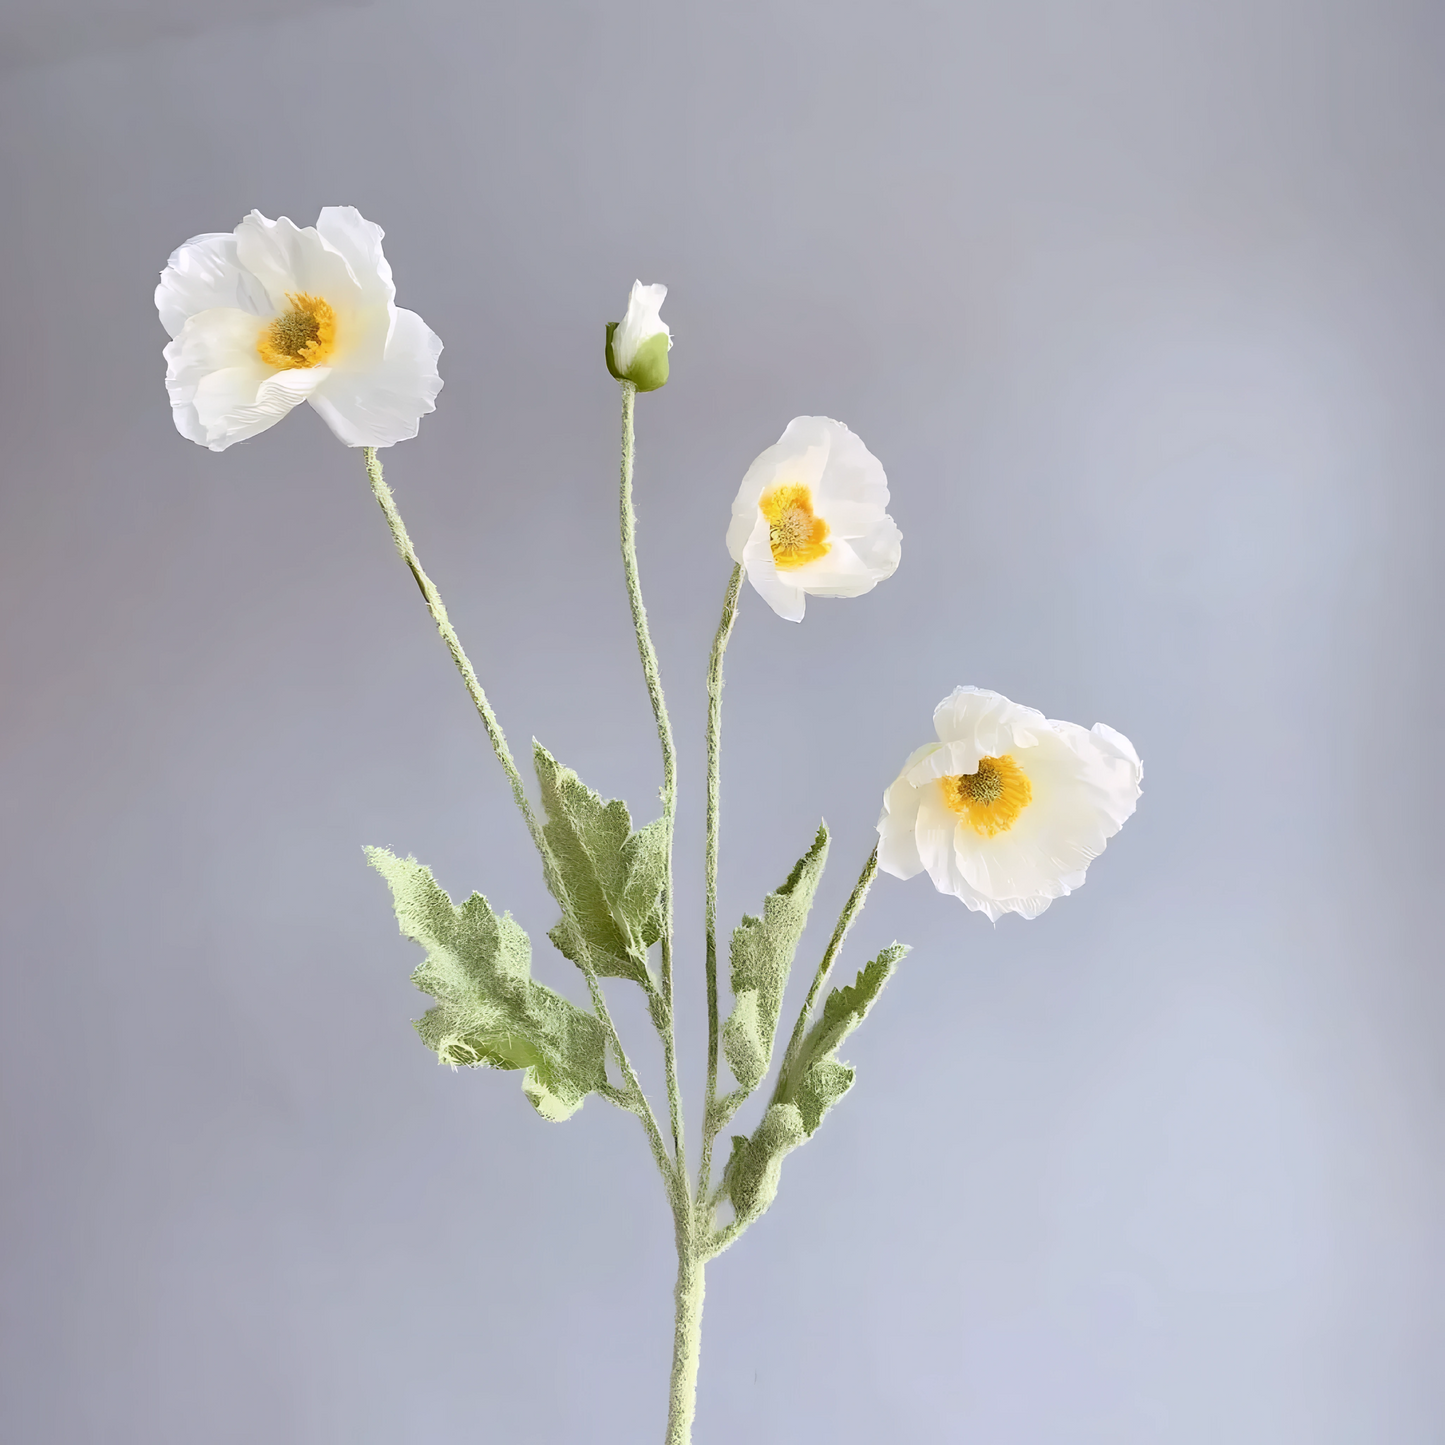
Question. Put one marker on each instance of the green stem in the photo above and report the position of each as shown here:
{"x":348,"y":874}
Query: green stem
{"x":637,"y":1100}
{"x":653,"y":677}
{"x":710,"y":1123}
{"x":399,"y":535}
{"x":851,"y":909}
{"x":686,"y":1338}
{"x":722,"y":1238}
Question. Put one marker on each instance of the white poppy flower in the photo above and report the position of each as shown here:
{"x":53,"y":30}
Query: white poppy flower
{"x":810,"y":518}
{"x":275,"y":314}
{"x":637,"y":346}
{"x":1008,"y":808}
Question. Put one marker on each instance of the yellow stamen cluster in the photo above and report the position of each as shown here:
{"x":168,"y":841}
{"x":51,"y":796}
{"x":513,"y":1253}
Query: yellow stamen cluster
{"x":797,"y":535}
{"x":303,"y":336}
{"x":991,"y":799}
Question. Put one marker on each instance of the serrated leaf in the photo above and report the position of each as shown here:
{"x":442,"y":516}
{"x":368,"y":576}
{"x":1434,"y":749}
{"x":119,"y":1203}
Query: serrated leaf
{"x":756,"y":1163}
{"x":811,"y":1083}
{"x":612,"y":876}
{"x":490,"y":1012}
{"x":823,"y":1085}
{"x":762,"y":953}
{"x":815,"y":1080}
{"x":743,"y":1041}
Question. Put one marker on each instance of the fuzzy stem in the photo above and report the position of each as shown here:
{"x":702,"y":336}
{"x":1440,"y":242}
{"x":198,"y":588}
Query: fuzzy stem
{"x":383,"y":495}
{"x":714,"y":757}
{"x":686,"y":1338}
{"x":637,"y":1100}
{"x":650,"y":672}
{"x":851,"y":909}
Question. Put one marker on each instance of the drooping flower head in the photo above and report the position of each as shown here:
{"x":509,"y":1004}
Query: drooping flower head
{"x":637,"y":346}
{"x":811,"y":518}
{"x":1008,"y":808}
{"x":275,"y":314}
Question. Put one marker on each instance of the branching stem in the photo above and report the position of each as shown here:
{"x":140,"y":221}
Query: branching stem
{"x":710,"y":1121}
{"x":637,"y":1100}
{"x":851,"y":909}
{"x":653,"y":677}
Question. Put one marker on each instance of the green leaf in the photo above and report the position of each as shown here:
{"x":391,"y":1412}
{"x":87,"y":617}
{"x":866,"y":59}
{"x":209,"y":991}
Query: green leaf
{"x":612,"y":877}
{"x":756,"y":1163}
{"x":490,"y":1013}
{"x":815,"y":1080}
{"x":811,"y":1084}
{"x":762,"y":954}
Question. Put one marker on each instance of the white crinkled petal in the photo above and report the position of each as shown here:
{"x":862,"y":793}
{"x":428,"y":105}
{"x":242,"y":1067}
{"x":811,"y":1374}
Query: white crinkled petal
{"x":641,"y":323}
{"x":1117,"y":755}
{"x":365,"y":332}
{"x":934,"y":834}
{"x":384,"y":404}
{"x":880,"y":549}
{"x":849,"y":492}
{"x":205,"y":274}
{"x":757,"y":559}
{"x":222,"y":339}
{"x":1106,"y":766}
{"x":358,"y":241}
{"x":853,"y":476}
{"x":1058,"y":834}
{"x":287,"y":258}
{"x":838,"y":573}
{"x":221,"y":391}
{"x":1072,"y":815}
{"x":235,"y":404}
{"x":897,"y":841}
{"x":797,"y":457}
{"x":1085,"y":784}
{"x":986,"y":720}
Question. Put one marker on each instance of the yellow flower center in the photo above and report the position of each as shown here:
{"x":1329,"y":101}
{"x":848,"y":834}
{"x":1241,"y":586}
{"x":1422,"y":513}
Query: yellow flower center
{"x":797,"y":535}
{"x":991,"y":799}
{"x":303,"y":336}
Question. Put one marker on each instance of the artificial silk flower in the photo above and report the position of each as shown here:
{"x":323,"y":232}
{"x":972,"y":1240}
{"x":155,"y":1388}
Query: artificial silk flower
{"x":810,"y":517}
{"x":637,"y":346}
{"x":275,"y":314}
{"x":1008,"y":808}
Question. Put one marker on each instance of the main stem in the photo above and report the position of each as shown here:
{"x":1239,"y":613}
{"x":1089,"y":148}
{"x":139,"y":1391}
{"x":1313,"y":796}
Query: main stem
{"x":714,"y":761}
{"x":637,"y":1099}
{"x":653,"y":676}
{"x":686,"y":1336}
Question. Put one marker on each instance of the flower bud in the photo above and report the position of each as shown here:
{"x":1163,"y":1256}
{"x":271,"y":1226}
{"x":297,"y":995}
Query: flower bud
{"x":637,"y":346}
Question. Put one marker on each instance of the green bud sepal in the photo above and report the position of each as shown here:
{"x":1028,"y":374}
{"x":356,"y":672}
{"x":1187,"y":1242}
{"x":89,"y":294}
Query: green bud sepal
{"x":649,"y":369}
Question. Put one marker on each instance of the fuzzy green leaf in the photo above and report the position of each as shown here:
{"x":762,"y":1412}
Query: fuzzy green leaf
{"x":815,"y":1080}
{"x":811,"y":1083}
{"x":762,"y":954}
{"x":756,"y":1163}
{"x":612,"y":876}
{"x":489,"y":1011}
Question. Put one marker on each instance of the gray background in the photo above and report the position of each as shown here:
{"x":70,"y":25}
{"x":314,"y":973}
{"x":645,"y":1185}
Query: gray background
{"x":1140,"y":305}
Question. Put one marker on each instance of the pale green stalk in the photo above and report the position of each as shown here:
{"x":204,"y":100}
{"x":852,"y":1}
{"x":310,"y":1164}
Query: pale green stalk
{"x":687,"y":1331}
{"x":650,"y":672}
{"x":851,"y":909}
{"x":710,"y":1123}
{"x":633,"y":1096}
{"x":687,"y":1296}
